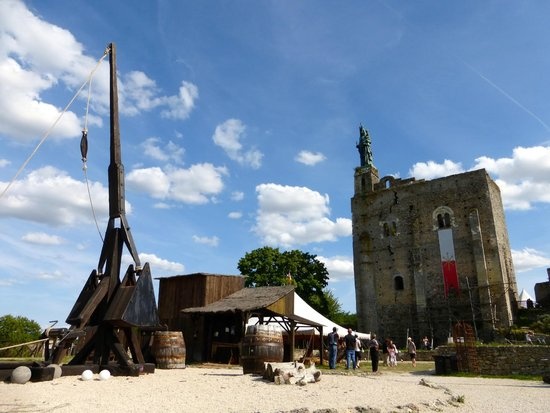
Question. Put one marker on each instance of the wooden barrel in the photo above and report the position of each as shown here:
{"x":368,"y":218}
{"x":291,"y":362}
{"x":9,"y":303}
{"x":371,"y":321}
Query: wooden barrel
{"x":169,"y":349}
{"x":261,"y":344}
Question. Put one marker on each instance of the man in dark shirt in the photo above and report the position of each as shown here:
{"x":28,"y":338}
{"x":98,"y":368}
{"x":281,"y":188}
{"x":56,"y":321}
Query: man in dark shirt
{"x":332,"y":348}
{"x":373,"y":350}
{"x":350,"y":349}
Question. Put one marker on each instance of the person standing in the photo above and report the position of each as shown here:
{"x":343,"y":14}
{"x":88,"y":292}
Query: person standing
{"x":373,"y":351}
{"x":332,"y":348}
{"x":411,"y":348}
{"x":350,"y":349}
{"x":392,"y":352}
{"x":385,"y":353}
{"x":358,"y":351}
{"x":425,"y":343}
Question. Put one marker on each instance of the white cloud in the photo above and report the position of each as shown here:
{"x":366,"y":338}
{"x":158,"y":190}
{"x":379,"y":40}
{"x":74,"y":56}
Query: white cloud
{"x":290,"y":215}
{"x":153,"y":181}
{"x":529,"y":259}
{"x":161,"y":205}
{"x":339,"y":268}
{"x":8,"y":282}
{"x":532,"y":162}
{"x":310,"y":158}
{"x":66,"y":198}
{"x":170,"y":151}
{"x":4,"y":163}
{"x":138,"y":93}
{"x":159,"y":266}
{"x":211,"y":241}
{"x":31,"y":65}
{"x":235,"y":215}
{"x":42,"y":238}
{"x":228,"y":136}
{"x":196,"y":185}
{"x":65,"y":261}
{"x":23,"y":115}
{"x":523,"y":179}
{"x":432,"y":170}
{"x":237,"y":196}
{"x":181,"y":106}
{"x":51,"y":275}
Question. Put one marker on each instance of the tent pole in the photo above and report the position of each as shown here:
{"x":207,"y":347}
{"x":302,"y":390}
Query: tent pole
{"x":292,"y":338}
{"x":321,"y":343}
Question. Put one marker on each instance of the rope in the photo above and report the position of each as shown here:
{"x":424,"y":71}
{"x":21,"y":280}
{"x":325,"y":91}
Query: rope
{"x":84,"y":169}
{"x":84,"y":156}
{"x":24,"y":344}
{"x":45,"y":136}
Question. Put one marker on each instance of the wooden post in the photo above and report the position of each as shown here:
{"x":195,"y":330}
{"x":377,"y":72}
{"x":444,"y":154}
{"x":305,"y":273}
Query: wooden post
{"x":292,"y":338}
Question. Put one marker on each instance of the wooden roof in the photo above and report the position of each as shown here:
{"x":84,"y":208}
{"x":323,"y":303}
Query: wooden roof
{"x":246,"y":299}
{"x":267,"y":301}
{"x":197,"y":274}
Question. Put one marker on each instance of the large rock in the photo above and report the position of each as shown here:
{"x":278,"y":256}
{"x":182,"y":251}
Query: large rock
{"x":57,"y":370}
{"x":21,"y":375}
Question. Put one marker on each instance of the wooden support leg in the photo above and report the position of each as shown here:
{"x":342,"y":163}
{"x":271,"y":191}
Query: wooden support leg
{"x":86,"y":349}
{"x":134,"y":344}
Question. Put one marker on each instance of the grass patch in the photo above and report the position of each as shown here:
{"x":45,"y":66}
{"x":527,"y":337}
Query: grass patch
{"x":65,"y":359}
{"x":21,"y":359}
{"x":402,"y":367}
{"x":526,"y":377}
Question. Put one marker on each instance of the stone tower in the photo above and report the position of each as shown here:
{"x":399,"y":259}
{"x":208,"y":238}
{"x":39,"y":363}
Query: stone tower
{"x":428,"y":254}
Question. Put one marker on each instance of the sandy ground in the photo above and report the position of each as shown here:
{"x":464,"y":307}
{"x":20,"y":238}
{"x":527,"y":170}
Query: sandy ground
{"x":227,"y":389}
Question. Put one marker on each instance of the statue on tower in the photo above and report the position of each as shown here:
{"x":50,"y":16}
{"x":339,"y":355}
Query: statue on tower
{"x":365,"y":152}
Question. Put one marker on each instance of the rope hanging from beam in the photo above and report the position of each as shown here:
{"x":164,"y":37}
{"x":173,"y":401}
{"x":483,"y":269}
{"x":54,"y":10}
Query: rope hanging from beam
{"x":54,"y":124}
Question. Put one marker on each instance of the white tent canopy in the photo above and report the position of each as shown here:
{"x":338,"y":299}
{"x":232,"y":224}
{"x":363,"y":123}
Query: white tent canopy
{"x":304,"y":311}
{"x":523,"y":297}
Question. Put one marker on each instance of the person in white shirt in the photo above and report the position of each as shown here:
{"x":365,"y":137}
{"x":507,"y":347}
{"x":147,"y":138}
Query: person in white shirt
{"x":411,"y":348}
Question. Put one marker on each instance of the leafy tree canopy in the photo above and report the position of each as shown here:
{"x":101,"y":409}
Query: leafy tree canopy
{"x":542,"y":325}
{"x":269,"y":267}
{"x":335,"y":312}
{"x":17,"y":330}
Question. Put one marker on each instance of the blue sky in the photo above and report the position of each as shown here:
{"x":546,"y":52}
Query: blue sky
{"x":239,"y":121}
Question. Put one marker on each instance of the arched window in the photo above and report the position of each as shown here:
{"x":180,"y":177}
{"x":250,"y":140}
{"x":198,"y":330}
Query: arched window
{"x":389,"y":227}
{"x":387,"y":182}
{"x":398,"y":283}
{"x":443,"y":218}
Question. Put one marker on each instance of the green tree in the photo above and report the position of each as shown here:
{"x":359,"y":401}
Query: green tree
{"x":267,"y":266}
{"x":336,"y":314}
{"x":346,"y":319}
{"x":17,"y":330}
{"x":542,"y":325}
{"x":334,"y":306}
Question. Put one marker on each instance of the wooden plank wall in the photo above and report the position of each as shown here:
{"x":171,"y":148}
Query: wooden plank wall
{"x":193,"y":290}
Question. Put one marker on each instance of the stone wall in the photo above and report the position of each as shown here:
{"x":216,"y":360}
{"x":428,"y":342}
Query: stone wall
{"x":397,"y":258}
{"x":507,"y":360}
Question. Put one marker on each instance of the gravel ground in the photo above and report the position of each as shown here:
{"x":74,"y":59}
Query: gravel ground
{"x":227,"y":389}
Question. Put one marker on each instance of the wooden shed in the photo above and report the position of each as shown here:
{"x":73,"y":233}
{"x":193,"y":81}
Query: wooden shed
{"x":192,"y":290}
{"x":224,"y":321}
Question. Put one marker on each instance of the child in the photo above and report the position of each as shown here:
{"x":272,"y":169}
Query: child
{"x":392,"y":352}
